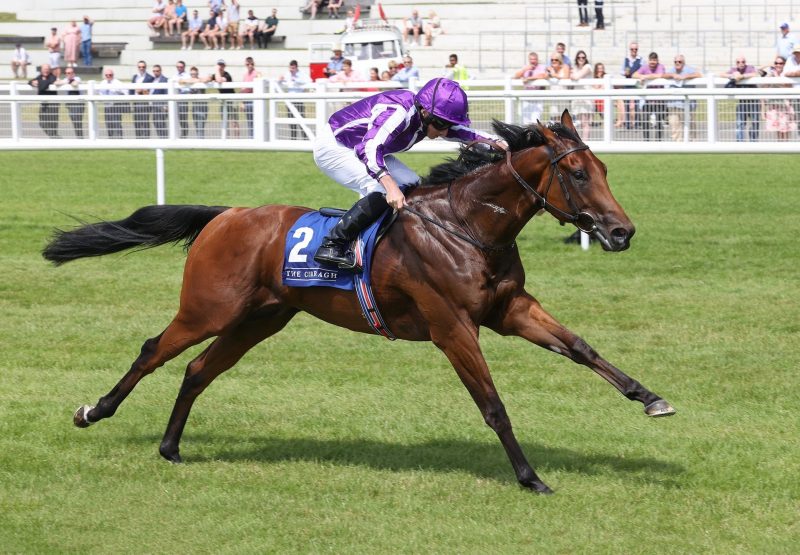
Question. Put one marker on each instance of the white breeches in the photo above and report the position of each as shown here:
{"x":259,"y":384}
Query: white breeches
{"x":343,"y":166}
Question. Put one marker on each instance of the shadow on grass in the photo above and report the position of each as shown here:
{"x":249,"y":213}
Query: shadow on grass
{"x":483,"y":460}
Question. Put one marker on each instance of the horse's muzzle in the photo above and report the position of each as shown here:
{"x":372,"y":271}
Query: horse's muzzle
{"x":618,"y":239}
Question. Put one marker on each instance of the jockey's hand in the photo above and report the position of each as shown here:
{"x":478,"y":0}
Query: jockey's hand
{"x":502,"y":144}
{"x":394,"y":196}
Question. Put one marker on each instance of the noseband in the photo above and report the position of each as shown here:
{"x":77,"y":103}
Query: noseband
{"x":582,"y":220}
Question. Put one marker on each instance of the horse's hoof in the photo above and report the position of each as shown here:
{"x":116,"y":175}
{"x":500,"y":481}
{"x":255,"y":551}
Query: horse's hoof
{"x":659,"y":408}
{"x":538,"y":487}
{"x":81,"y":416}
{"x":172,"y":455}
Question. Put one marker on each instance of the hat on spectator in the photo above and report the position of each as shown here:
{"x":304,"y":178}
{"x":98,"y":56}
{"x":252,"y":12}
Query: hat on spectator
{"x":220,"y":62}
{"x":784,"y":25}
{"x":796,"y":48}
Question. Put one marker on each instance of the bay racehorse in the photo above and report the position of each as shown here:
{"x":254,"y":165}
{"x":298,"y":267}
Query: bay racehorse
{"x":447,"y":266}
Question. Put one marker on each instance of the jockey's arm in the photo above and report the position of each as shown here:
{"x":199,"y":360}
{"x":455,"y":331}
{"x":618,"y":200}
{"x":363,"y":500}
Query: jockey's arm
{"x":394,"y":196}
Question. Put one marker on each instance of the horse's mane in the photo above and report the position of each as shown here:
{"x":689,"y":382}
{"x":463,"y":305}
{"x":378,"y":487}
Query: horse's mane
{"x":518,"y":138}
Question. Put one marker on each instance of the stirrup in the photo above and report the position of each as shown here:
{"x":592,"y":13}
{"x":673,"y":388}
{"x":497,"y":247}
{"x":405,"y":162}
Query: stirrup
{"x":336,"y":254}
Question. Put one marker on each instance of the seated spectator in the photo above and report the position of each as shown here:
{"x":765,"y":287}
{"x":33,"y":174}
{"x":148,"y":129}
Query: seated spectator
{"x":216,"y":6}
{"x":347,"y":74}
{"x":222,"y":33}
{"x":408,"y":72}
{"x":336,"y":62}
{"x":181,"y":16}
{"x":250,"y":28}
{"x":333,"y":8}
{"x":432,"y":28}
{"x":350,"y":23}
{"x":311,"y":8}
{"x":19,"y":61}
{"x":169,"y":18}
{"x":191,"y":34}
{"x":392,"y":68}
{"x":157,"y":20}
{"x":413,"y":26}
{"x":210,"y":32}
{"x":385,"y":75}
{"x":267,"y":29}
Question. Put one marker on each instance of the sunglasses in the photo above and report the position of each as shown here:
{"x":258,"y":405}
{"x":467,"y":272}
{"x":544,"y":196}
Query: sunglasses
{"x":678,"y":61}
{"x":555,"y":61}
{"x":779,"y":63}
{"x":439,"y":123}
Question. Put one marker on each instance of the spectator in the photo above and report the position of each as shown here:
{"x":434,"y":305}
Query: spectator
{"x":228,"y":109}
{"x":391,"y":68}
{"x":679,"y":110}
{"x":160,"y":109}
{"x":561,"y":48}
{"x":141,"y":110}
{"x":555,"y":72}
{"x":250,"y":28}
{"x":48,"y":111}
{"x":69,"y":84}
{"x":777,"y":112}
{"x":746,"y":108}
{"x":181,"y":16}
{"x":792,"y":69}
{"x":786,"y":42}
{"x":86,"y":40}
{"x":294,"y":81}
{"x":250,"y":75}
{"x":583,"y":13}
{"x":350,"y":23}
{"x":199,"y":107}
{"x":210,"y":32}
{"x":180,"y":79}
{"x":170,"y":15}
{"x":631,"y":65}
{"x":533,"y":71}
{"x":432,"y":28}
{"x":600,"y":103}
{"x":72,"y":41}
{"x":655,"y":111}
{"x":333,"y":8}
{"x":195,"y":26}
{"x":216,"y":6}
{"x":268,"y":29}
{"x":582,"y":107}
{"x":112,"y":111}
{"x":454,"y":70}
{"x":335,"y":64}
{"x":600,"y":22}
{"x":19,"y":61}
{"x":413,"y":26}
{"x":347,"y":74}
{"x":385,"y":75}
{"x":222,"y":33}
{"x":311,"y":8}
{"x":408,"y":72}
{"x":53,"y":46}
{"x":157,"y":19}
{"x":233,"y":25}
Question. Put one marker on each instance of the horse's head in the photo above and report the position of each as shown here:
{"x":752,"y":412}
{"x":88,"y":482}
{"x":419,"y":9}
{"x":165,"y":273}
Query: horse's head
{"x":573,"y":188}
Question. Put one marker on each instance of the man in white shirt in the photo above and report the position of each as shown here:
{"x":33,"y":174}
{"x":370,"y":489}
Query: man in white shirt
{"x":19,"y":61}
{"x":195,"y":26}
{"x":112,"y":111}
{"x":183,"y":106}
{"x":786,"y":42}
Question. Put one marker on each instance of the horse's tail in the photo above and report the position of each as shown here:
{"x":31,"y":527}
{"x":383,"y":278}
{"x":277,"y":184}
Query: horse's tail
{"x":148,"y":227}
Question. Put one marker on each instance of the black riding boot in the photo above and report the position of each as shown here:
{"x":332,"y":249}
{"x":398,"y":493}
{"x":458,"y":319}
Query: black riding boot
{"x":335,"y":248}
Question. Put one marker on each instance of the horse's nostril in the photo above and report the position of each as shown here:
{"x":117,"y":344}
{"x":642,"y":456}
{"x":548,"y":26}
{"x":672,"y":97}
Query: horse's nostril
{"x":619,"y":235}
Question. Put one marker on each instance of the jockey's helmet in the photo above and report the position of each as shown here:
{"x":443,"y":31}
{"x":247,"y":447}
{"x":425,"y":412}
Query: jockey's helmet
{"x":444,"y":99}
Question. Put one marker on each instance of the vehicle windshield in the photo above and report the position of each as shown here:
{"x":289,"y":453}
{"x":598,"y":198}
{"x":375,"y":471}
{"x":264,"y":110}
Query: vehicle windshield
{"x":371,"y":50}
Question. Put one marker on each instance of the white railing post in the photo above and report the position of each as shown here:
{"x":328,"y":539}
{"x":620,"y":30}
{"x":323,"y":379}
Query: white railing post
{"x":610,"y":106}
{"x":16,"y":120}
{"x":711,"y":112}
{"x":322,"y":108}
{"x":161,"y":194}
{"x":259,"y":86}
{"x":91,"y":107}
{"x":509,"y":100}
{"x":172,"y":112}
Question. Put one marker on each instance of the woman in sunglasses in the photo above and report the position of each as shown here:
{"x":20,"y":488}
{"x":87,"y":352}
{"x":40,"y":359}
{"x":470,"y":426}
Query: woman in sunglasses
{"x":356,"y":150}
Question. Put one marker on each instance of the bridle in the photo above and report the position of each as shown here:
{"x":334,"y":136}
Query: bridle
{"x":580,"y":219}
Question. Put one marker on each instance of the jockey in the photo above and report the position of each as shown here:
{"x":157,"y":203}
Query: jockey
{"x":356,"y":150}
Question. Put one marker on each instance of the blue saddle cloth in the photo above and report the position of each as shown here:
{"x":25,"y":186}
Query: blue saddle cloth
{"x":299,"y":267}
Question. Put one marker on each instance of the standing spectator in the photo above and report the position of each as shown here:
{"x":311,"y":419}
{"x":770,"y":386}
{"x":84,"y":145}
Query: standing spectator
{"x":413,"y":26}
{"x":157,"y":19}
{"x":233,"y":25}
{"x":453,"y":70}
{"x":199,"y":107}
{"x":777,"y":112}
{"x":228,"y":109}
{"x":19,"y":61}
{"x":792,"y":69}
{"x":250,"y":28}
{"x":112,"y":111}
{"x":53,"y":46}
{"x":408,"y":72}
{"x":582,"y":107}
{"x":600,"y":22}
{"x":250,"y":75}
{"x":210,"y":32}
{"x":268,"y":29}
{"x":385,"y":75}
{"x":69,"y":84}
{"x":532,"y":108}
{"x":786,"y":42}
{"x":86,"y":40}
{"x":432,"y":28}
{"x":333,"y":8}
{"x":600,"y":103}
{"x":295,"y":81}
{"x":556,"y":71}
{"x":192,"y":32}
{"x":222,"y":33}
{"x":72,"y":41}
{"x":583,"y":13}
{"x":48,"y":111}
{"x":160,"y":108}
{"x":561,"y":48}
{"x":654,"y":110}
{"x":631,"y":65}
{"x":335,"y":64}
{"x":747,"y":108}
{"x":216,"y":6}
{"x":679,"y":111}
{"x":141,"y":110}
{"x":182,"y":88}
{"x":391,"y":69}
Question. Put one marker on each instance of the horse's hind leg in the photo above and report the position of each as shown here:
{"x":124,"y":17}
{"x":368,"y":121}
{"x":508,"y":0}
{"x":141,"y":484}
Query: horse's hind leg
{"x":222,"y":354}
{"x":526,"y":318}
{"x":175,"y":339}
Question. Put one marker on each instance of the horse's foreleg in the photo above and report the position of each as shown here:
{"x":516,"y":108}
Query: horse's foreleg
{"x":460,"y":344}
{"x":222,"y":354}
{"x":525,"y":317}
{"x":156,"y":351}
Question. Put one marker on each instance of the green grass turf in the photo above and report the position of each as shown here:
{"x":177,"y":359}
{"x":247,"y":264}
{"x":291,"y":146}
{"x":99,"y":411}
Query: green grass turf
{"x":321,"y":440}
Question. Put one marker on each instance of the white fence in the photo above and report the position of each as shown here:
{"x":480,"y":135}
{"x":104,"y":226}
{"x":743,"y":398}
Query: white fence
{"x":612,"y":115}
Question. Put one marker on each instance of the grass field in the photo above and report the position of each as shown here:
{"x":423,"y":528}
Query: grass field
{"x":325,"y":441}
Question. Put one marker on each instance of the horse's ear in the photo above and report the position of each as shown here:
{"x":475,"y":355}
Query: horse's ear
{"x":566,"y":121}
{"x":548,"y":134}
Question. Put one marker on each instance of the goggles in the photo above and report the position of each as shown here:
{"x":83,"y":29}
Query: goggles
{"x":439,"y":123}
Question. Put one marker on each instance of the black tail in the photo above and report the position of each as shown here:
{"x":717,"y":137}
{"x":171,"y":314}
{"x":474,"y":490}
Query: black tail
{"x":148,"y":227}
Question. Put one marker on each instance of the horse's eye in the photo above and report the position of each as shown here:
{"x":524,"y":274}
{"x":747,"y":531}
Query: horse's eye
{"x":579,"y":174}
